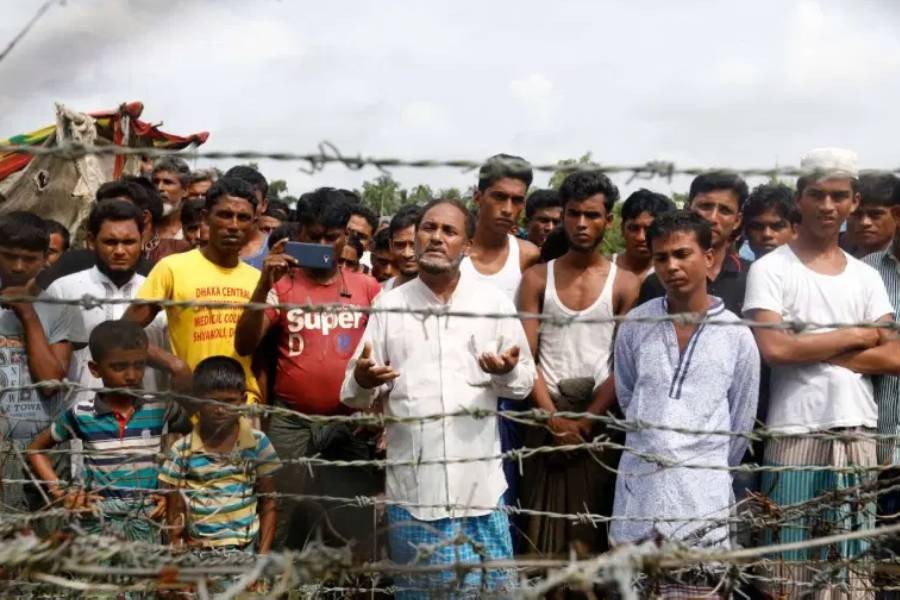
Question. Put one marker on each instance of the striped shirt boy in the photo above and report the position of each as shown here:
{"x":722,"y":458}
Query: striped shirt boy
{"x":119,"y":452}
{"x":219,"y":489}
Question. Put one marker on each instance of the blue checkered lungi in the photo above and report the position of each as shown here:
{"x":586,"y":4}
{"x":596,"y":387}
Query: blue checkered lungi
{"x":415,"y":542}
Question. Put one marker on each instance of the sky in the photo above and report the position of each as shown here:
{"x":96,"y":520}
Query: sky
{"x":700,"y":83}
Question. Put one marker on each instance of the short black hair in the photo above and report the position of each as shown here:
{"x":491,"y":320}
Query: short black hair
{"x":325,"y":206}
{"x":581,"y":185}
{"x":24,"y":230}
{"x":287,"y":230}
{"x":776,"y":197}
{"x":139,"y":189}
{"x":878,"y":188}
{"x":109,"y":336}
{"x":192,"y":211}
{"x":230,"y":186}
{"x":57,"y":227}
{"x":218,"y":374}
{"x":470,"y":218}
{"x":176,"y":165}
{"x":350,"y":196}
{"x":539,"y":200}
{"x":366,"y":213}
{"x":501,"y":166}
{"x":382,"y":240}
{"x":645,"y":201}
{"x":251,"y":176}
{"x":114,"y":210}
{"x":712,"y":181}
{"x":406,"y":216}
{"x":680,"y":221}
{"x":278,"y":209}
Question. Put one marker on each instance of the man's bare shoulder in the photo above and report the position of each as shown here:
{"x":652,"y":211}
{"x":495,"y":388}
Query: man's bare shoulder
{"x":535,"y":273}
{"x":529,"y":254}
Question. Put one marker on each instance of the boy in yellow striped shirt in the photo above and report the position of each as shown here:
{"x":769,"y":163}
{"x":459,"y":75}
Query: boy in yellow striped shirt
{"x":219,"y":476}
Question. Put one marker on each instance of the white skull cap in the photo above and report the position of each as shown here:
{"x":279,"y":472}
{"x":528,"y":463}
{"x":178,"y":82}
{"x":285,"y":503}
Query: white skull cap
{"x":830,"y":163}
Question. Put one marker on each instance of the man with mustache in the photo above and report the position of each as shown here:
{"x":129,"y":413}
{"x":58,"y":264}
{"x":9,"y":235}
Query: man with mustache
{"x":213,"y":273}
{"x":444,"y":484}
{"x":582,"y":284}
{"x":402,"y":232}
{"x":718,"y":197}
{"x":114,"y":234}
{"x":171,"y":176}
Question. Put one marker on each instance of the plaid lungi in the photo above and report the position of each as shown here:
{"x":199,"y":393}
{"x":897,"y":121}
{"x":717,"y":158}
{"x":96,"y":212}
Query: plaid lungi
{"x":446,"y":542}
{"x":820,"y":503}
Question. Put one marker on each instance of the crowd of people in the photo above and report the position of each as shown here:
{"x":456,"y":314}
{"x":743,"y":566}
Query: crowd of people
{"x":158,"y":448}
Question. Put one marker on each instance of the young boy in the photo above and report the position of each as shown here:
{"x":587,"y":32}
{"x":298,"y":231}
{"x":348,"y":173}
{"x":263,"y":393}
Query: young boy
{"x":216,"y":473}
{"x":120,"y":432}
{"x":770,"y":218}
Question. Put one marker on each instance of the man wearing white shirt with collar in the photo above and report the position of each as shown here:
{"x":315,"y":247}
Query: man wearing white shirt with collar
{"x":114,"y":233}
{"x":444,"y":476}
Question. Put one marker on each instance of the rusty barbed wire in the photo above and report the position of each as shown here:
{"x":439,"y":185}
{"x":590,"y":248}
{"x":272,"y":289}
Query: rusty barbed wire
{"x":327,"y":153}
{"x":797,"y":326}
{"x":140,"y":568}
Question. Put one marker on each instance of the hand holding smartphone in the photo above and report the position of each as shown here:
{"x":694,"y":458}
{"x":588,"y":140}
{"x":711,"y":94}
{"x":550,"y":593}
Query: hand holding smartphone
{"x":311,"y":256}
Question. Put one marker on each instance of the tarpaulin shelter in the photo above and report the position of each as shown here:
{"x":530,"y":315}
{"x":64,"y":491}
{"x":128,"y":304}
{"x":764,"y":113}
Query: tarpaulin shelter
{"x":63,"y":189}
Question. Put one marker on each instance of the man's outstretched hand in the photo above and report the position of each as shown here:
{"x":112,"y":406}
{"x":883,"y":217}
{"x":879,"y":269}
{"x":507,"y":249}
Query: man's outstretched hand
{"x":499,"y":364}
{"x":368,"y":375}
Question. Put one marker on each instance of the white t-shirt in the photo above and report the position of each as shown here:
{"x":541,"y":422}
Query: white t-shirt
{"x":818,"y":395}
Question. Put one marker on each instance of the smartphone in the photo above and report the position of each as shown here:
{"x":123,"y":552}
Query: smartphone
{"x":311,"y":256}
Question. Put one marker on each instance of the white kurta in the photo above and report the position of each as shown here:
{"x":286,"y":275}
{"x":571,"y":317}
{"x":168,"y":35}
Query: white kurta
{"x":439,"y":373}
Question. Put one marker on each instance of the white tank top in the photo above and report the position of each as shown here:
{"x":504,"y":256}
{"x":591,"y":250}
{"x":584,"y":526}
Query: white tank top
{"x":577,"y":349}
{"x":506,"y":279}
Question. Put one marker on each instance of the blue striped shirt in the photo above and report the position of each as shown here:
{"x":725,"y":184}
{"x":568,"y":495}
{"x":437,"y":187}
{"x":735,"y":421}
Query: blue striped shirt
{"x":119,"y":453}
{"x":887,"y":387}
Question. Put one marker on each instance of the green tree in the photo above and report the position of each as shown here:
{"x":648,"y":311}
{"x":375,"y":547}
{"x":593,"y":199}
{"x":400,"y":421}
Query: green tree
{"x":421,"y":194}
{"x":450,"y":193}
{"x":613,"y":242}
{"x":383,"y":195}
{"x":277,"y":187}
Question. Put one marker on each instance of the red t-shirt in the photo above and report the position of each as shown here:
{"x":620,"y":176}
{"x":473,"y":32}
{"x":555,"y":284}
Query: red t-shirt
{"x":314,"y":348}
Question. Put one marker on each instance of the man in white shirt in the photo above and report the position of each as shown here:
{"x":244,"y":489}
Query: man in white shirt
{"x":114,"y":232}
{"x":444,"y":478}
{"x":820,"y":380}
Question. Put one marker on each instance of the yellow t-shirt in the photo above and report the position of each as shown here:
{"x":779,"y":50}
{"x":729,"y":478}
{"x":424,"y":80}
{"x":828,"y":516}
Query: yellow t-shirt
{"x":198,"y":332}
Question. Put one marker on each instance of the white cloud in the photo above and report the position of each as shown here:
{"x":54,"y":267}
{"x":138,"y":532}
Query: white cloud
{"x":700,"y":83}
{"x":536,"y":94}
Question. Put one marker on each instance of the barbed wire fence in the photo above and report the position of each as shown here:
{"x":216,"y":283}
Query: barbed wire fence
{"x":47,"y":553}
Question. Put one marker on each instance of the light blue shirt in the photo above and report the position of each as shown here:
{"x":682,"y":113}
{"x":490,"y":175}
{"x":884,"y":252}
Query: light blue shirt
{"x":712,"y":386}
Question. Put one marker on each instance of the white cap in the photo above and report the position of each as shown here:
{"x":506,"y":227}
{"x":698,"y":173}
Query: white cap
{"x":830,"y":163}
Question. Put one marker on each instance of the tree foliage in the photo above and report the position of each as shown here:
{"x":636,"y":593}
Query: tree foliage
{"x":385,"y":195}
